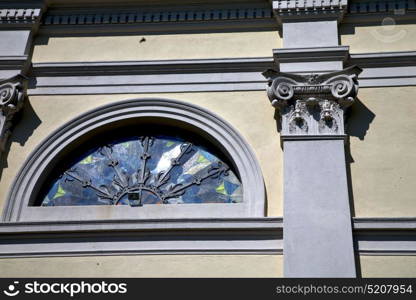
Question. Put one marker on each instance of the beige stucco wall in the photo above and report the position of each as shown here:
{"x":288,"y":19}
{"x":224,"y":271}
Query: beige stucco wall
{"x":145,"y":266}
{"x":384,"y":162}
{"x":388,"y":266}
{"x":383,"y":170}
{"x":381,"y":38}
{"x":172,"y":46}
{"x":253,"y":119}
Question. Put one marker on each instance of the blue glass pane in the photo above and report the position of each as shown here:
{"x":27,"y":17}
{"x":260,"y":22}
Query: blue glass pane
{"x":146,"y":170}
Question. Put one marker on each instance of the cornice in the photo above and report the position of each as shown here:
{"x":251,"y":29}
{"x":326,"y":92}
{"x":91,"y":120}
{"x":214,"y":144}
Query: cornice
{"x":69,"y":17}
{"x":381,"y":6}
{"x":382,"y":224}
{"x":255,"y":64}
{"x":288,"y":55}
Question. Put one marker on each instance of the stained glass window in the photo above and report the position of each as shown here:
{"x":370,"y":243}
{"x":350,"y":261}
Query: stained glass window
{"x":145,"y":170}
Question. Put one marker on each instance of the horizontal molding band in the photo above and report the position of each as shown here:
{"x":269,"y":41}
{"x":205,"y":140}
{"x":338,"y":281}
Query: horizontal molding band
{"x":19,"y":16}
{"x":400,"y":245}
{"x":244,"y":64}
{"x":296,"y":55}
{"x":198,"y":75}
{"x":383,"y":59}
{"x":123,"y":17}
{"x":373,"y":236}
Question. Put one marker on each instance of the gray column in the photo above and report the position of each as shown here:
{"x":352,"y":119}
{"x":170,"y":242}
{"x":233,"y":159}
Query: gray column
{"x":317,"y":239}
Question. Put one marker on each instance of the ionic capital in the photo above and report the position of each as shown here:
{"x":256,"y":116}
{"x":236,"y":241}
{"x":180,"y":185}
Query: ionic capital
{"x":312,"y":104}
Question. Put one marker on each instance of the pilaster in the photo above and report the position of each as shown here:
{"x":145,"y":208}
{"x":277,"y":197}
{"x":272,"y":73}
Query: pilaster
{"x":317,"y":229}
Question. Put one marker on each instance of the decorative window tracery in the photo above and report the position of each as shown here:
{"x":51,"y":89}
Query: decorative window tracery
{"x":146,"y":170}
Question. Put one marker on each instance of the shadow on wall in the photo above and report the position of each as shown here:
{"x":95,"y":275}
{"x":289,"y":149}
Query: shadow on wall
{"x":359,"y":118}
{"x":26,"y":122}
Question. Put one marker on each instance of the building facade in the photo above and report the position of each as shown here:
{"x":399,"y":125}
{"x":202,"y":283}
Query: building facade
{"x":192,"y":138}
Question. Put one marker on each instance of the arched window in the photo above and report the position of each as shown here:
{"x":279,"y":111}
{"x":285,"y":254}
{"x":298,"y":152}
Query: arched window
{"x":139,"y":159}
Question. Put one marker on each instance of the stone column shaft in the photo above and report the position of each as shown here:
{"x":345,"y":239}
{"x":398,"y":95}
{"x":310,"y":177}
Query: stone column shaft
{"x":317,"y":236}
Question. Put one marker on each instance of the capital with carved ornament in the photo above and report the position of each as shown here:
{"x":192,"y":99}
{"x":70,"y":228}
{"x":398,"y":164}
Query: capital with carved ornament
{"x":12,"y":91}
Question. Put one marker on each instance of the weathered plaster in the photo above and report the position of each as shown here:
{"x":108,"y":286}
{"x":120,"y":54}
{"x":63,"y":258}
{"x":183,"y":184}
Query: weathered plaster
{"x":254,"y":121}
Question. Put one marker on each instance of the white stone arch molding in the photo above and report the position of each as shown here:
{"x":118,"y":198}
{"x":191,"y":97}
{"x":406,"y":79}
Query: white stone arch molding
{"x":45,"y":157}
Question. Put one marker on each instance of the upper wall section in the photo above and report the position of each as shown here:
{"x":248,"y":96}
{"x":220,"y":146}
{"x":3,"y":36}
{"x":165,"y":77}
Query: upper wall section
{"x":154,"y":47}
